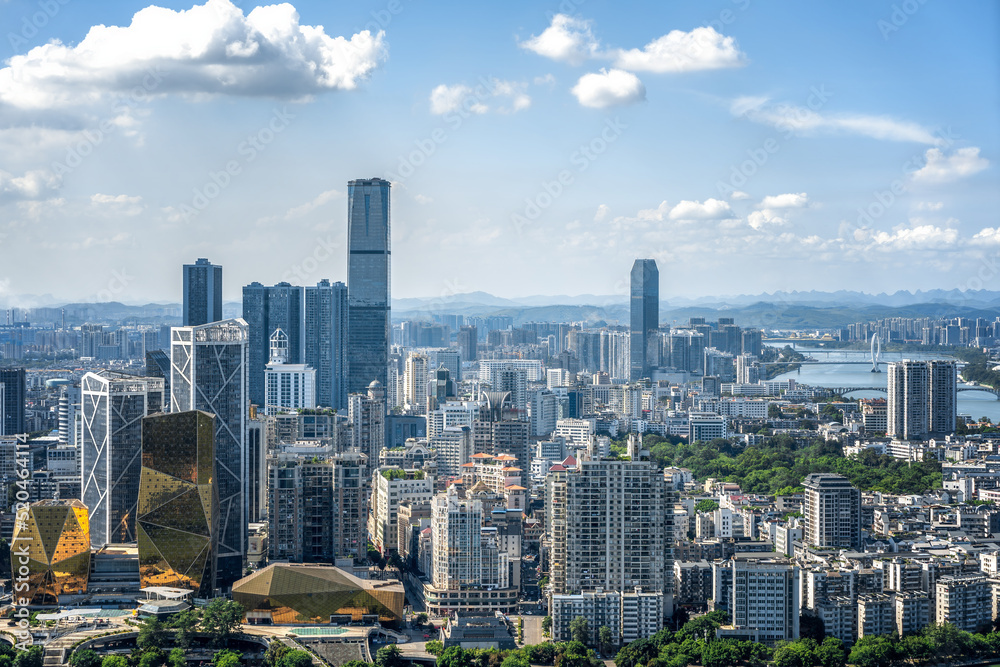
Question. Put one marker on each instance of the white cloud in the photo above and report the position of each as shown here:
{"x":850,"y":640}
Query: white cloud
{"x":940,"y":168}
{"x":929,"y":205}
{"x":609,"y":88}
{"x":989,"y":235}
{"x":923,"y":237}
{"x":208,"y":49}
{"x":739,"y":194}
{"x":114,"y":199}
{"x":679,"y":51}
{"x":547,"y":80}
{"x":566,"y":39}
{"x":310,"y":206}
{"x":36,"y":184}
{"x":766,"y":218}
{"x":602,"y":212}
{"x":801,"y":120}
{"x":507,"y":97}
{"x":790,"y":200}
{"x":423,"y":199}
{"x":120,"y":205}
{"x":711,"y":209}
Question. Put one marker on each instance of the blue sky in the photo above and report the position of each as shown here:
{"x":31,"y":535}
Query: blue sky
{"x":534,"y":148}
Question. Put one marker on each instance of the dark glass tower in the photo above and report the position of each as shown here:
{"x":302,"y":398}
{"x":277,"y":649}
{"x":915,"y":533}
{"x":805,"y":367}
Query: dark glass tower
{"x":264,"y":310}
{"x":202,"y":293}
{"x":12,"y":388}
{"x":326,"y":341}
{"x":368,"y":283}
{"x":644,"y":344}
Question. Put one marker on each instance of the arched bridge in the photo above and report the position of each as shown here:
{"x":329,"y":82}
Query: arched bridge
{"x":843,"y":391}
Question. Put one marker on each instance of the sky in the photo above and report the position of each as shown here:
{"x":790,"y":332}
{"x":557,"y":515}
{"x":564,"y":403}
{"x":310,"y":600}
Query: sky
{"x":533,"y":147}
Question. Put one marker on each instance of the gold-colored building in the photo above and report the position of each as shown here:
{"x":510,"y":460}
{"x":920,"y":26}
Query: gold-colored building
{"x":284,"y":593}
{"x":55,"y":539}
{"x":178,"y":511}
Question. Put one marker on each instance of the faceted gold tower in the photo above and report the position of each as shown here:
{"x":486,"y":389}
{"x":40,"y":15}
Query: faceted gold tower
{"x":56,"y":540}
{"x":178,"y":510}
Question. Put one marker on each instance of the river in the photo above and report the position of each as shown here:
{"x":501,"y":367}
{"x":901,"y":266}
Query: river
{"x":974,"y":403}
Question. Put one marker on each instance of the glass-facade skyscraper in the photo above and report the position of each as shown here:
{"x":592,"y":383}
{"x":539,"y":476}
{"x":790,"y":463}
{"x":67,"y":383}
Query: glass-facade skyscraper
{"x":209,"y":372}
{"x":202,"y":293}
{"x":644,"y":342}
{"x":12,"y":387}
{"x":326,"y":341}
{"x":266,"y":309}
{"x":368,"y":275}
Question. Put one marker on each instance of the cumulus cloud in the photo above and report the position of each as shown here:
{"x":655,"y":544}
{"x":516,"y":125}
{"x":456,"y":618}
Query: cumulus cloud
{"x":739,"y":194}
{"x":710,"y":209}
{"x":679,"y":51}
{"x":989,"y":235}
{"x":33,"y":185}
{"x":609,"y":88}
{"x":122,"y":205}
{"x":765,"y":218}
{"x":423,"y":199}
{"x":802,"y":120}
{"x":209,"y":49}
{"x":790,"y":200}
{"x":567,"y":39}
{"x":929,"y":205}
{"x":923,"y":237}
{"x":941,"y":168}
{"x":602,"y":212}
{"x":496,"y":94}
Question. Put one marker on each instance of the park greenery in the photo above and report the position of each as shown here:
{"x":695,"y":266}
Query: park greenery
{"x":560,"y":654}
{"x":780,"y":463}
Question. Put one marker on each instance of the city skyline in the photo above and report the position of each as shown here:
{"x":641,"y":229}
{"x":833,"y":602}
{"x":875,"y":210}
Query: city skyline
{"x":570,"y":131}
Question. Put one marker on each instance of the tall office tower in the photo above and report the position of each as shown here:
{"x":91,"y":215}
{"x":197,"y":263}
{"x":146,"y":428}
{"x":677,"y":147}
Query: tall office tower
{"x":366,"y":415}
{"x":12,"y":395}
{"x":607,"y":527}
{"x":644,"y":340}
{"x":544,"y":408}
{"x":178,"y":511}
{"x":684,"y":350}
{"x":615,"y":359}
{"x":56,"y":536}
{"x":202,"y":293}
{"x":455,"y":447}
{"x":158,"y":366}
{"x":326,"y":341}
{"x":468,"y":342}
{"x":922,"y":399}
{"x":69,"y":416}
{"x":415,"y":383}
{"x":257,"y":448}
{"x":266,"y":309}
{"x":833,"y":511}
{"x":113,"y":405}
{"x":286,"y":386}
{"x":209,"y":372}
{"x":369,"y":328}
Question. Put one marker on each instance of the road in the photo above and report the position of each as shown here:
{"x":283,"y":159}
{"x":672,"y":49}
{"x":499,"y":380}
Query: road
{"x":533,"y":629}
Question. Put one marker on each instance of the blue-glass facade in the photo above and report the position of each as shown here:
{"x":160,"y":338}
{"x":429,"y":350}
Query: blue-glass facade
{"x":264,"y":310}
{"x":326,"y":341}
{"x":644,"y":342}
{"x":202,"y":293}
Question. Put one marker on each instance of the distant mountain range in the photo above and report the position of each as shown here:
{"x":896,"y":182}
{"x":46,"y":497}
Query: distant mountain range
{"x":811,"y":309}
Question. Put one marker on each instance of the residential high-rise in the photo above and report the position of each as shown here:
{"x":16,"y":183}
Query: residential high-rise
{"x":644,"y":341}
{"x":287,"y":386}
{"x":266,"y":309}
{"x":178,"y":511}
{"x":326,"y":341}
{"x":369,"y":329}
{"x":468,"y":342}
{"x":415,"y":384}
{"x":764,"y":600}
{"x":965,"y":601}
{"x":833,"y":511}
{"x":922,"y":399}
{"x":391,"y":486}
{"x":112,"y":408}
{"x":202,"y":293}
{"x":209,"y":372}
{"x":12,"y":395}
{"x":366,"y":415}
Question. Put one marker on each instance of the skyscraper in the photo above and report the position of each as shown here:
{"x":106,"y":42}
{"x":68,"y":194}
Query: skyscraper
{"x":645,"y":318}
{"x":922,"y":399}
{"x":202,"y":293}
{"x":113,"y":405}
{"x":209,"y":372}
{"x":266,"y":309}
{"x":833,"y":511}
{"x":12,"y":393}
{"x":366,"y":415}
{"x":368,"y":272}
{"x":178,"y":512}
{"x":287,"y":386}
{"x":326,"y":341}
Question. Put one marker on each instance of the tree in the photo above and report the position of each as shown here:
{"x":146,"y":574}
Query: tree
{"x":356,"y":663}
{"x":30,"y":658}
{"x":114,"y":661}
{"x":579,"y":630}
{"x":227,"y":658}
{"x":276,"y":650}
{"x":604,"y":639}
{"x":151,"y":634}
{"x":515,"y":659}
{"x":541,"y":654}
{"x":85,"y":658}
{"x":388,"y":656}
{"x":706,"y":505}
{"x":547,"y":625}
{"x":176,"y":658}
{"x":454,"y":656}
{"x":185,"y":623}
{"x":296,"y":658}
{"x":420,"y":620}
{"x":795,"y":654}
{"x":721,"y":653}
{"x":152,"y":657}
{"x":434,"y":647}
{"x":811,"y":627}
{"x":831,"y":653}
{"x":222,"y":618}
